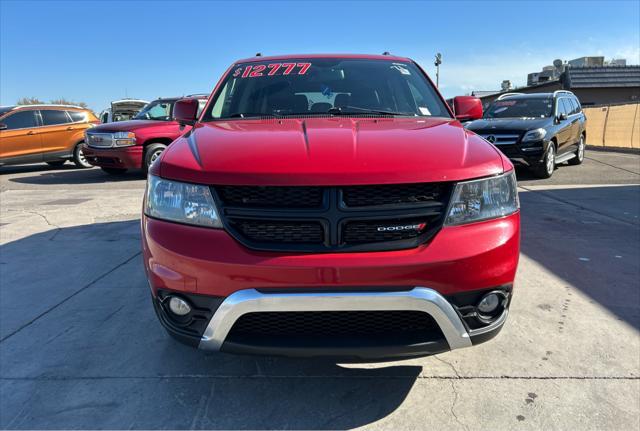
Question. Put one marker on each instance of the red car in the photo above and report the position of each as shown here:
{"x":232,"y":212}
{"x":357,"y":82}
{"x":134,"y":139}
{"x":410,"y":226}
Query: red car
{"x":135,"y":144}
{"x":330,"y":205}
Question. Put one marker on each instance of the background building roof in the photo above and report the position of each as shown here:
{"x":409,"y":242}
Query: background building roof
{"x":604,"y":76}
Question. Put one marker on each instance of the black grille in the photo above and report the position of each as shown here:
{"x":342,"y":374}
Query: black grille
{"x":382,"y":230}
{"x":362,"y":196}
{"x":333,"y":219}
{"x":281,"y":232}
{"x":272,"y":197}
{"x":333,"y":323}
{"x":510,"y":150}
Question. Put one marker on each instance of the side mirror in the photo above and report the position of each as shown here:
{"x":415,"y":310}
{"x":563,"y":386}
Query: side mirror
{"x":3,"y":126}
{"x":562,"y":116}
{"x":467,"y":108}
{"x":185,"y":111}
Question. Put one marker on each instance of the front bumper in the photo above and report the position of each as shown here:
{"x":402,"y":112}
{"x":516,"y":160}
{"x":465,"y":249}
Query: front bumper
{"x":530,"y":154}
{"x":200,"y":263}
{"x":120,"y":158}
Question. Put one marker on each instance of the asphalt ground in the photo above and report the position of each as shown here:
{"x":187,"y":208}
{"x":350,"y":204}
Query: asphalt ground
{"x":80,"y":346}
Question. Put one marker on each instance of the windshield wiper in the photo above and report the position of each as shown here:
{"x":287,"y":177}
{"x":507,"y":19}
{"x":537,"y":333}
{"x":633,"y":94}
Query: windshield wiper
{"x":339,"y":111}
{"x":252,"y":114}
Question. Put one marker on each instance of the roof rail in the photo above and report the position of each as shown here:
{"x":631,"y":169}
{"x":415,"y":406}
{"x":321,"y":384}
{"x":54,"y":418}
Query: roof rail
{"x":48,"y":105}
{"x":555,"y":93}
{"x":197,"y":94}
{"x":502,"y":96}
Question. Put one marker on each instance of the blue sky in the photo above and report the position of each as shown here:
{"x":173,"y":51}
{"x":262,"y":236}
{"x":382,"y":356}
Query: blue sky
{"x":100,"y":51}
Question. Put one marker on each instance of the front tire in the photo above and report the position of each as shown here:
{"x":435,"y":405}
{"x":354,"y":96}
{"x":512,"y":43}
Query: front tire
{"x":151,"y":154}
{"x":79,"y":159}
{"x":548,"y":165}
{"x":579,"y":158}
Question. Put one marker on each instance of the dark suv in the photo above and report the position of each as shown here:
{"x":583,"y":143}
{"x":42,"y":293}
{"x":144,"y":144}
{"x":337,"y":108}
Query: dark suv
{"x":537,"y":130}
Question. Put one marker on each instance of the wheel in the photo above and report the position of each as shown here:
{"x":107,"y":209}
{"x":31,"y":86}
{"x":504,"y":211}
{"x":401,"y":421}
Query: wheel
{"x":56,"y":163}
{"x":79,"y":159}
{"x":151,"y":154}
{"x":546,"y":168}
{"x":579,"y":158}
{"x":114,"y":171}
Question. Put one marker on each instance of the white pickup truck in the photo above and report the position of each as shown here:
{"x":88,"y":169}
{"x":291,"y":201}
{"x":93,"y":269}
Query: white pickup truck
{"x":122,"y":110}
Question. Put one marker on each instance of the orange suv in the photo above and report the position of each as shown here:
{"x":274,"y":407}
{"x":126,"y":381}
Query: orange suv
{"x":44,"y":133}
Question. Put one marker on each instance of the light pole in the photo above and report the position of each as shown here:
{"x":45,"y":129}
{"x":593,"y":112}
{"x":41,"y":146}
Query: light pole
{"x":438,"y":62}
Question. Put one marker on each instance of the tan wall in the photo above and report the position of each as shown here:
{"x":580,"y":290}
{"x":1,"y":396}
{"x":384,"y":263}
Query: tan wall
{"x":614,"y":126}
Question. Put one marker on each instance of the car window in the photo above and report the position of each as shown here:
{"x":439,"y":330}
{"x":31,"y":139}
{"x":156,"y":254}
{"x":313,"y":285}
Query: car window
{"x":77,"y":116}
{"x":578,"y":106}
{"x":568,"y":106}
{"x":562,"y":107}
{"x":20,"y":120}
{"x":52,"y":117}
{"x":158,"y":110}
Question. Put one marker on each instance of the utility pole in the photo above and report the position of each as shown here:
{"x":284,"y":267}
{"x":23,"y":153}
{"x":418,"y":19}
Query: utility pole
{"x":438,"y":62}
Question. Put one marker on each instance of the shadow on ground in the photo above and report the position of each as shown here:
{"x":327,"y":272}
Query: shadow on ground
{"x":590,"y":237}
{"x":97,"y":355}
{"x":82,"y":348}
{"x":67,"y":174}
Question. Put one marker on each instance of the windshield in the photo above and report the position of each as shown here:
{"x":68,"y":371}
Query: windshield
{"x":159,"y":110}
{"x":517,"y":108}
{"x":326,"y":86}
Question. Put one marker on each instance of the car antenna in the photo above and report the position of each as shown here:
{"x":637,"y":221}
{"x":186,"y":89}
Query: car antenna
{"x":386,"y":53}
{"x":258,"y":54}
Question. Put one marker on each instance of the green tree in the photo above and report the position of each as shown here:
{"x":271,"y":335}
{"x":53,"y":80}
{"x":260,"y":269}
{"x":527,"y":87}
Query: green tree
{"x":63,"y":101}
{"x":29,"y":101}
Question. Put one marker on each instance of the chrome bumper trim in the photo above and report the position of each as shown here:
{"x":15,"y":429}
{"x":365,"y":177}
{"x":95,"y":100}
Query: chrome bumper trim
{"x":493,"y":325}
{"x":416,"y":299}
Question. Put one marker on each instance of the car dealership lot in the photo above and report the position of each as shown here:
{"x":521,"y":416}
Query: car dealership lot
{"x":81,"y":348}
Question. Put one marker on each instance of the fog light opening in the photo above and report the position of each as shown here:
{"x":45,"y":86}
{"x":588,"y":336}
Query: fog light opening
{"x":179,"y":306}
{"x":491,"y":305}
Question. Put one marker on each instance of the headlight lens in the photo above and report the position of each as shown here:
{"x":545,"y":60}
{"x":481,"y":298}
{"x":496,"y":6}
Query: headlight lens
{"x":483,"y":199}
{"x":124,"y":139}
{"x":534,"y":135}
{"x":180,"y":202}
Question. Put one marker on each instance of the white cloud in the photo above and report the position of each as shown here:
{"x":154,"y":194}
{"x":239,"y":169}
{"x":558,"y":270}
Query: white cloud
{"x":486,"y":72}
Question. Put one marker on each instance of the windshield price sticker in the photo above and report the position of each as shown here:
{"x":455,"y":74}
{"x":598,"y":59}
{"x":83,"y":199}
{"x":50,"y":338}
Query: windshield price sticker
{"x":255,"y":71}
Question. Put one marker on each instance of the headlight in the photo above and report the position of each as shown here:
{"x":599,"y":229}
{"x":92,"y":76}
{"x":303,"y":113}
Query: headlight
{"x":534,"y":135}
{"x":483,"y":199}
{"x":180,"y":202}
{"x":124,"y":139}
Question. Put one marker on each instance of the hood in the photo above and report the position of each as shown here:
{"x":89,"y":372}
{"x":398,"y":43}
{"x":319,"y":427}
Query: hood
{"x":496,"y":124}
{"x":329,"y":151}
{"x":126,"y":126}
{"x":127,"y":105}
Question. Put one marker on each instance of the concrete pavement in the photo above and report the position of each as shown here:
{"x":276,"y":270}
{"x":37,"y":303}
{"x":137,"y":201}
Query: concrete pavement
{"x":80,"y":346}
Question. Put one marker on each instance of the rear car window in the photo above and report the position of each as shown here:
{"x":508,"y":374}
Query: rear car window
{"x":20,"y":120}
{"x":77,"y":116}
{"x":51,"y":117}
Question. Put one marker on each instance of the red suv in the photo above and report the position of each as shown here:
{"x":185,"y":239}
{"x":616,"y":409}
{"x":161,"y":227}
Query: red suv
{"x":330,"y":205}
{"x":117,"y":147}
